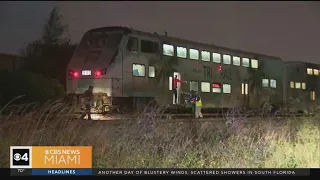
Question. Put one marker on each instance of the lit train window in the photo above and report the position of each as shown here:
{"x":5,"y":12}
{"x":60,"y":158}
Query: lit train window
{"x":291,"y":84}
{"x":168,"y":50}
{"x":216,"y":58}
{"x":226,"y":59}
{"x":309,"y":71}
{"x":205,"y":87}
{"x":194,"y":85}
{"x":273,"y":83}
{"x":298,"y":85}
{"x":244,"y":88}
{"x":316,"y":72}
{"x":152,"y":71}
{"x":313,"y":95}
{"x":254,"y":63}
{"x":216,"y":88}
{"x":303,"y":85}
{"x":245,"y":62}
{"x":236,"y":60}
{"x":226,"y":88}
{"x":265,"y":82}
{"x":181,"y":52}
{"x":138,"y":70}
{"x":205,"y":56}
{"x":194,"y":54}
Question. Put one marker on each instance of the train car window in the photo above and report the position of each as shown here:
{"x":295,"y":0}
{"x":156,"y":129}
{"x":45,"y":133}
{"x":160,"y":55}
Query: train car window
{"x":194,"y":54}
{"x":245,"y":62}
{"x":309,"y":71}
{"x":303,"y":85}
{"x":133,"y":44}
{"x":205,"y":56}
{"x":254,"y":63}
{"x":313,"y":95}
{"x":149,"y":46}
{"x":138,"y":70}
{"x":170,"y":83}
{"x":194,"y":86}
{"x":93,"y":56}
{"x":265,"y":82}
{"x":291,"y":84}
{"x":298,"y":85}
{"x":273,"y":83}
{"x":152,"y":71}
{"x":216,"y":88}
{"x":216,"y":58}
{"x":113,"y":40}
{"x":226,"y":88}
{"x":226,"y":59}
{"x":181,"y":52}
{"x":244,"y":88}
{"x":236,"y":60}
{"x":205,"y":87}
{"x":316,"y":72}
{"x":168,"y":50}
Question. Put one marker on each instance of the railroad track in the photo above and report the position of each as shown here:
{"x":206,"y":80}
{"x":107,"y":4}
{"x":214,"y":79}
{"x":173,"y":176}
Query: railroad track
{"x":176,"y":117}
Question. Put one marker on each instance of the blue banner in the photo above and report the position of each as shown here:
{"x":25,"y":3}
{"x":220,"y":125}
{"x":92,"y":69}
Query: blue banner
{"x":61,"y":172}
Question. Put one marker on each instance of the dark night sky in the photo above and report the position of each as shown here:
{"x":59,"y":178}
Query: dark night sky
{"x":289,"y":30}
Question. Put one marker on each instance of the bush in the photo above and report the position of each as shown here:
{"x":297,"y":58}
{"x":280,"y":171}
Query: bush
{"x":33,"y":87}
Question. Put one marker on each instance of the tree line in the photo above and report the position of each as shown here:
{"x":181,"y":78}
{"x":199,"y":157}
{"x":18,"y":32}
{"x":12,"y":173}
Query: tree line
{"x":43,"y":76}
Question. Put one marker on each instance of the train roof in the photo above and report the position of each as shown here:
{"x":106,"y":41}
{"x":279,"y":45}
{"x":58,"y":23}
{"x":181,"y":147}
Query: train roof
{"x":179,"y":40}
{"x":300,"y":62}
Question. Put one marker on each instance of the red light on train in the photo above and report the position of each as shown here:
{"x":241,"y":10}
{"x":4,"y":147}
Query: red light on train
{"x":220,"y":68}
{"x":98,"y":73}
{"x":75,"y":74}
{"x":216,"y":85}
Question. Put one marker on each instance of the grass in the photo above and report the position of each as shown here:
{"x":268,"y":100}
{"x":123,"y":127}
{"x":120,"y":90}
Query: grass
{"x":263,"y":142}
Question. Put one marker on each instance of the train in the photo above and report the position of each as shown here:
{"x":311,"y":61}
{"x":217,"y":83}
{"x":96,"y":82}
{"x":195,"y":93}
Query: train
{"x":129,"y":68}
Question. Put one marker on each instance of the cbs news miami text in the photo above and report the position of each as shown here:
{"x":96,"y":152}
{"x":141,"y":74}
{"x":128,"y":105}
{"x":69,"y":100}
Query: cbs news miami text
{"x":77,"y":161}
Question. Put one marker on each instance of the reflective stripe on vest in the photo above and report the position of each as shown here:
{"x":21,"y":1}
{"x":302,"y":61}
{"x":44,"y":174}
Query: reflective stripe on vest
{"x":199,"y":103}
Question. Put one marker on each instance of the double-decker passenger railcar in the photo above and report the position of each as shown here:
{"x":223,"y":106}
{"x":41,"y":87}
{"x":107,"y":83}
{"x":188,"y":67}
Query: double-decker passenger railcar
{"x":302,"y":86}
{"x":123,"y":65}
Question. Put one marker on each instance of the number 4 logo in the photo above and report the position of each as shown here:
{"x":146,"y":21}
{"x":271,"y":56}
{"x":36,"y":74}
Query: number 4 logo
{"x":25,"y":157}
{"x":20,"y":156}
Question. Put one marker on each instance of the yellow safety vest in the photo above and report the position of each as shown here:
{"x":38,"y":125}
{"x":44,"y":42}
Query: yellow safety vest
{"x":199,"y":103}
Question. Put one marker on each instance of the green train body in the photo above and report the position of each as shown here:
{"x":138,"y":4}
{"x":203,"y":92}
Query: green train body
{"x":123,"y":66}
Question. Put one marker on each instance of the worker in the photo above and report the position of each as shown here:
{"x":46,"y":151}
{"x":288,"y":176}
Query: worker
{"x":88,"y":101}
{"x":198,"y":106}
{"x":192,"y":100}
{"x":175,"y":88}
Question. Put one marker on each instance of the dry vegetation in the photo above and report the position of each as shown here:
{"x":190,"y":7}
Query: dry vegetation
{"x":150,"y":142}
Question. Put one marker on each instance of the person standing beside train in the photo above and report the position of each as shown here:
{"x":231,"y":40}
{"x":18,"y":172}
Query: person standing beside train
{"x":193,"y":101}
{"x":88,"y":100}
{"x":176,"y":80}
{"x":198,"y":106}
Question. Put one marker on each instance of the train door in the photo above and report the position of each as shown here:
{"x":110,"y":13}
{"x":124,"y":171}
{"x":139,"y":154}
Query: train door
{"x":245,"y":92}
{"x":171,"y":87}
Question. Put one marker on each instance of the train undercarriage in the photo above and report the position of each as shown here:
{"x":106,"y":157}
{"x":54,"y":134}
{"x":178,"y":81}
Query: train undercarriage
{"x":104,"y":104}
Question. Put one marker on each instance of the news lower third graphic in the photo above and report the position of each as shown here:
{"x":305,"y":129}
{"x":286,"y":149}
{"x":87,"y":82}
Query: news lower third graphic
{"x":77,"y":161}
{"x":51,"y":160}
